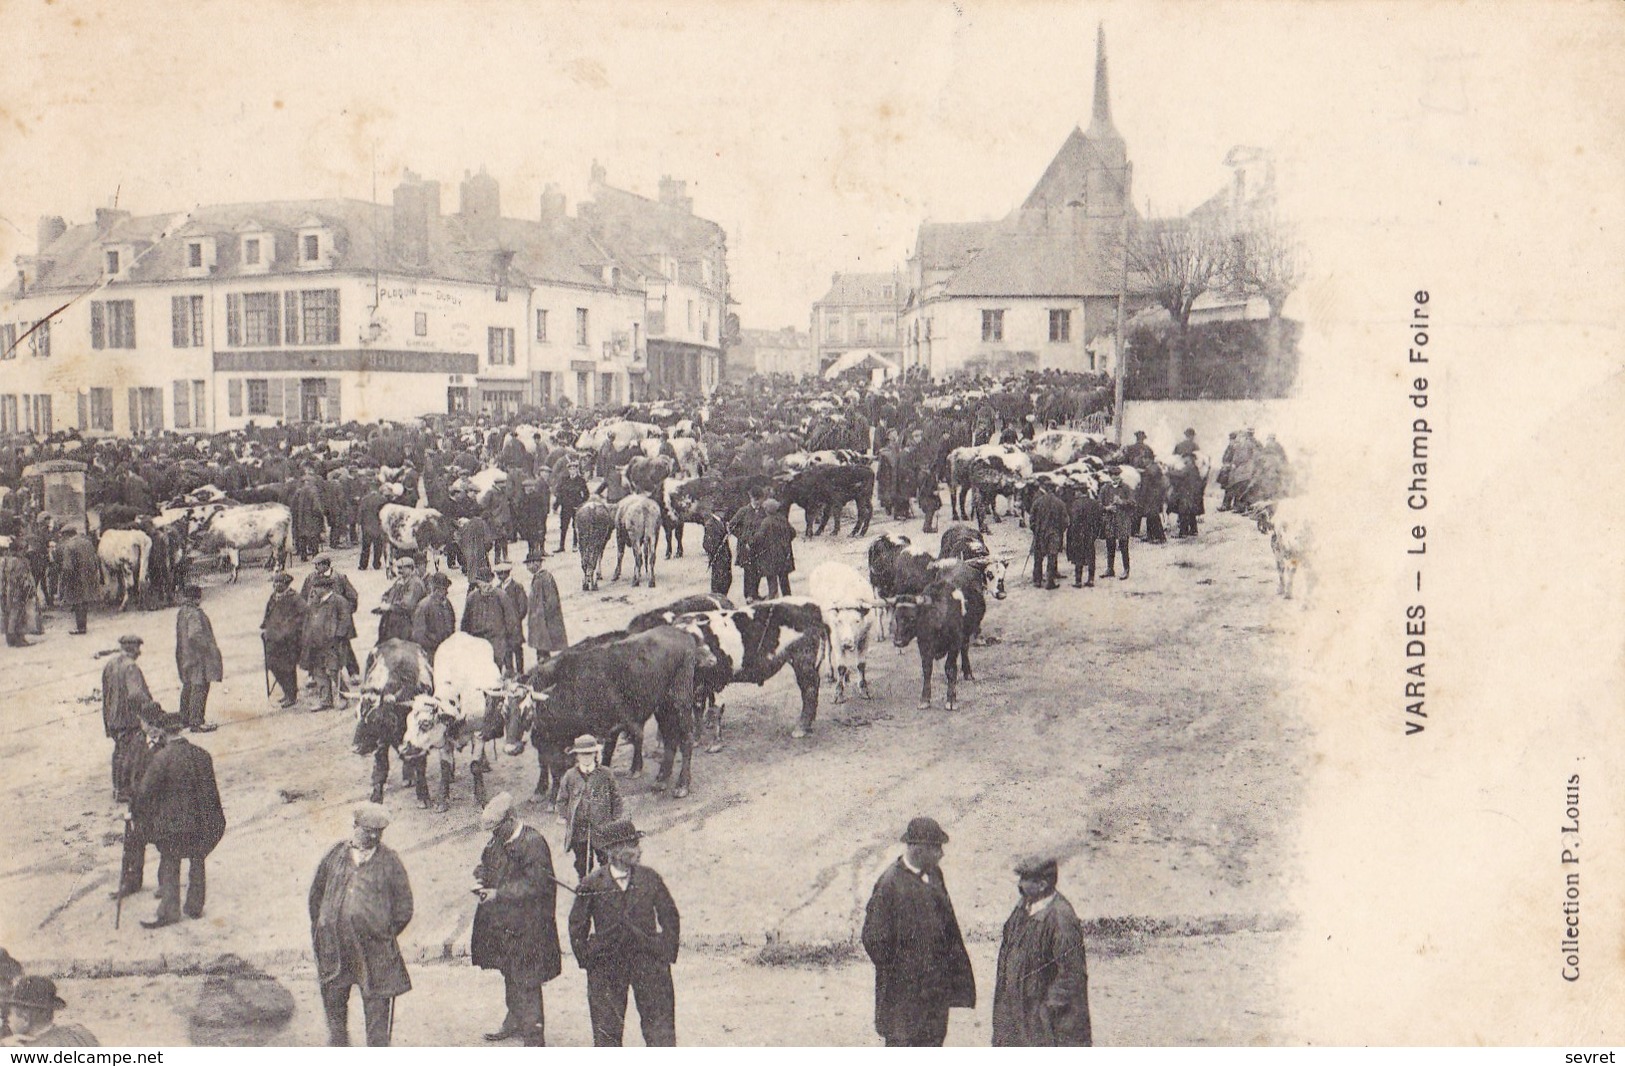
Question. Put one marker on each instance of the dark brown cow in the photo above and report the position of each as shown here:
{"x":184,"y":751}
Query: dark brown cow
{"x":752,"y":644}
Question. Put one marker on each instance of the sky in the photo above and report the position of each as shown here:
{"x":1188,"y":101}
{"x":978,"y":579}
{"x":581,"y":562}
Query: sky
{"x":819,"y":135}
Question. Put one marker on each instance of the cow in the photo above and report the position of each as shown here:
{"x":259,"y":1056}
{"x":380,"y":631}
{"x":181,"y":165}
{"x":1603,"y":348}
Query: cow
{"x":935,"y":618}
{"x":124,"y":554}
{"x":594,"y":523}
{"x":853,"y":618}
{"x":825,"y":490}
{"x":992,"y":476}
{"x":968,"y":580}
{"x":662,"y":616}
{"x":483,"y":484}
{"x":409,"y":530}
{"x":690,"y":455}
{"x":614,"y":687}
{"x":251,"y":525}
{"x":395,"y":672}
{"x":1059,"y":447}
{"x":466,"y":682}
{"x":637,"y":522}
{"x":796,"y":462}
{"x":965,"y":544}
{"x":962,"y":462}
{"x":1291,"y":541}
{"x":897,"y":566}
{"x":751,"y":644}
{"x":677,"y":509}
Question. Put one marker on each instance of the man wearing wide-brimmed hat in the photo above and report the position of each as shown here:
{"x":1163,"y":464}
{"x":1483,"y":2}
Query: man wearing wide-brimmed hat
{"x":360,"y":902}
{"x":589,"y":801}
{"x":30,"y":1008}
{"x":624,"y":931}
{"x":177,"y":802}
{"x":126,"y":703}
{"x":1042,"y":995}
{"x":515,"y":928}
{"x":912,"y":936}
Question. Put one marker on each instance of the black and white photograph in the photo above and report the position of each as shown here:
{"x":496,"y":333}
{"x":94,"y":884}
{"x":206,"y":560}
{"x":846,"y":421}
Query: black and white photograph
{"x":837,"y":523}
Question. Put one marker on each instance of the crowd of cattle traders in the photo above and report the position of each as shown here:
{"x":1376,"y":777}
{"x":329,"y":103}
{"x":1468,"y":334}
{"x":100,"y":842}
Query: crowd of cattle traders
{"x":418,"y":500}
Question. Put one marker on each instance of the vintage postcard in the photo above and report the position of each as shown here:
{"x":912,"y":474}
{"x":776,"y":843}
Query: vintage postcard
{"x":839,"y":523}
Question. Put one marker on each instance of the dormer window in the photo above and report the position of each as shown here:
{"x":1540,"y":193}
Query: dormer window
{"x":257,"y":247}
{"x":310,"y":248}
{"x":251,"y":251}
{"x":315,"y":246}
{"x":112,"y":262}
{"x":198,"y":255}
{"x":194,"y":255}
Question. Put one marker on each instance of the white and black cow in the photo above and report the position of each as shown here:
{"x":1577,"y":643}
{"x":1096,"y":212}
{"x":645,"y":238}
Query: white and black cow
{"x":965,"y":544}
{"x":1291,"y":541}
{"x":467,"y":682}
{"x":233,"y":530}
{"x":410,"y":530}
{"x":396,"y":672}
{"x":854,"y":620}
{"x":751,"y":644}
{"x":898,"y":566}
{"x":985,"y":462}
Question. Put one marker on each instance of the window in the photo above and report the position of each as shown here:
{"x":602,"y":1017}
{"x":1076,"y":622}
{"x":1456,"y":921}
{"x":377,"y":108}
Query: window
{"x":993,"y":325}
{"x":499,"y":346}
{"x":251,"y":251}
{"x":112,"y":262}
{"x":8,"y":414}
{"x":860,"y":329}
{"x":606,"y":389}
{"x":39,"y":341}
{"x":1060,"y":325}
{"x":541,"y":324}
{"x":261,"y":312}
{"x":319,"y":321}
{"x":194,"y":255}
{"x":312,"y":247}
{"x":420,"y":324}
{"x":39,"y":413}
{"x":691,"y":316}
{"x":705,"y":330}
{"x":112,"y":324}
{"x":8,"y":341}
{"x":832,"y":329}
{"x":199,"y":415}
{"x":259,"y":396}
{"x":581,"y":326}
{"x":101,"y":409}
{"x":186,"y":321}
{"x":888,"y":328}
{"x":544,"y":388}
{"x":183,"y":405}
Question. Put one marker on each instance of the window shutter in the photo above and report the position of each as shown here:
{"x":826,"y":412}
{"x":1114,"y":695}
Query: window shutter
{"x":98,"y":326}
{"x":135,"y":411}
{"x":234,"y":397}
{"x":290,"y":403}
{"x":290,"y":332}
{"x":129,"y":340}
{"x":84,"y":411}
{"x":199,"y":419}
{"x":273,"y":398}
{"x":234,"y":319}
{"x":272,"y":331}
{"x":179,"y":335}
{"x":183,"y":419}
{"x":334,"y":412}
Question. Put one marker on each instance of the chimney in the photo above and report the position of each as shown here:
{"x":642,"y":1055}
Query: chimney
{"x":674,"y":193}
{"x":417,"y":207}
{"x":480,"y":205}
{"x":50,"y":228}
{"x":108,"y":217}
{"x":553,"y":203}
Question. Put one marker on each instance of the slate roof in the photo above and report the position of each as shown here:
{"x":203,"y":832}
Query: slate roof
{"x":1063,"y":180}
{"x":859,"y":289}
{"x":1045,"y":256}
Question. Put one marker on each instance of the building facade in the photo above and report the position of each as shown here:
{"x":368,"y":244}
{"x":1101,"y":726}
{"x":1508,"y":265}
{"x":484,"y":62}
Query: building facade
{"x":771,"y":351}
{"x":860,"y":312}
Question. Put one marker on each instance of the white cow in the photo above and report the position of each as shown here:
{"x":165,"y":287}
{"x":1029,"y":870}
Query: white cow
{"x":412,"y":529}
{"x":484,"y":484}
{"x":1291,"y":540}
{"x":252,"y":525}
{"x":1063,"y":446}
{"x":854,"y":620}
{"x":124,"y":554}
{"x":466,"y":678}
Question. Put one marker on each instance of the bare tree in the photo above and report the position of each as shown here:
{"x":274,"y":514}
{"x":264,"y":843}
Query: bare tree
{"x":1177,"y":260}
{"x":1269,"y":261}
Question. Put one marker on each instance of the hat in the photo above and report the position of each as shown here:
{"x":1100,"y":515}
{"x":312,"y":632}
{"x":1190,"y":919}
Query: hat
{"x":440,"y":581}
{"x":585,"y":743}
{"x":372,"y":816}
{"x":324,"y":560}
{"x":193,"y":592}
{"x":406,"y":560}
{"x":129,"y":639}
{"x":503,"y":568}
{"x":500,"y":807}
{"x":283,"y":579}
{"x":924,"y":831}
{"x":771,"y":506}
{"x":170,"y":722}
{"x":34,"y":991}
{"x":1139,"y":434}
{"x":1039,"y":868}
{"x":618,"y":832}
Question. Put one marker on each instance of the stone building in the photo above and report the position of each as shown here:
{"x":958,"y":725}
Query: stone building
{"x":859,"y":312}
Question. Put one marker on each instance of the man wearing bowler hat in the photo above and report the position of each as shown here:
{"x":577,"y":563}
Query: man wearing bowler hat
{"x":360,"y":902}
{"x":589,"y":801}
{"x":624,"y":933}
{"x":515,"y":930}
{"x":30,"y":1008}
{"x":126,"y":703}
{"x":177,"y":802}
{"x":912,"y":935}
{"x":1042,"y":995}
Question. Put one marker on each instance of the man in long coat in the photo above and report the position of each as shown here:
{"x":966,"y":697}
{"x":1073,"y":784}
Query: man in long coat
{"x":280,"y":633}
{"x":16,"y":594}
{"x":1118,"y":509}
{"x":126,"y":704}
{"x":771,"y":550}
{"x":474,"y":541}
{"x":1042,"y":995}
{"x":374,"y":544}
{"x":515,"y":930}
{"x":518,"y":603}
{"x":434,"y":619}
{"x":347,"y":593}
{"x":178,"y":802}
{"x":137,"y":834}
{"x":1083,"y":527}
{"x":912,"y":936}
{"x":530,"y":515}
{"x":545,"y":619}
{"x":328,"y":628}
{"x":81,"y":576}
{"x":400,"y":600}
{"x":197,"y":658}
{"x":624,"y":931}
{"x":485,"y":614}
{"x":571,"y":494}
{"x":360,"y":902}
{"x":308,"y":517}
{"x":1049,"y":531}
{"x":717,"y":551}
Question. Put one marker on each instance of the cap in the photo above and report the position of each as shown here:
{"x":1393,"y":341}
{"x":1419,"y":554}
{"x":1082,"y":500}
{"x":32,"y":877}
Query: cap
{"x":585,"y":743}
{"x":924,"y":831}
{"x":282,"y":580}
{"x":499,"y":808}
{"x":34,"y":991}
{"x":192,"y":592}
{"x":440,"y":581}
{"x":1139,"y":434}
{"x":170,"y":722}
{"x":503,"y":568}
{"x":324,"y":560}
{"x":129,"y":639}
{"x":618,"y":832}
{"x":1039,"y":868}
{"x":372,"y":816}
{"x":406,"y":561}
{"x":771,"y":506}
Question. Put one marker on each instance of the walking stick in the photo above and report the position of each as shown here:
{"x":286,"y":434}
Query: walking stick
{"x":118,"y":887}
{"x":265,"y":659}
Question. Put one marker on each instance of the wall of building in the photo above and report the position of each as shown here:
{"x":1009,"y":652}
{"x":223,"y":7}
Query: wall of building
{"x":616,"y":344}
{"x":950,"y":340}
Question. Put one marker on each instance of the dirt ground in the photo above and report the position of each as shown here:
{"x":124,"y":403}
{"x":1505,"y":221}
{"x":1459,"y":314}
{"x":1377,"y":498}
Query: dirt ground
{"x":1140,"y":729}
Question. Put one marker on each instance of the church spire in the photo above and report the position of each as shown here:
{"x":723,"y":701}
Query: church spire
{"x":1100,"y":124}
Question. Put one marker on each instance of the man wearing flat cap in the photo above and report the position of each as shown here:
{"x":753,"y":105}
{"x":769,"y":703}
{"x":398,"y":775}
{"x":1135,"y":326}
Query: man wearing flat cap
{"x":126,"y":704}
{"x":30,"y":1008}
{"x":624,"y":931}
{"x":360,"y":902}
{"x":327,"y":633}
{"x":280,"y":632}
{"x":1042,"y":995}
{"x":912,"y":936}
{"x":400,"y":600}
{"x":519,"y":603}
{"x":515,"y":928}
{"x":434,"y":618}
{"x":177,"y":803}
{"x":197,"y":658}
